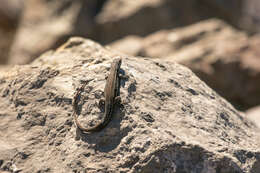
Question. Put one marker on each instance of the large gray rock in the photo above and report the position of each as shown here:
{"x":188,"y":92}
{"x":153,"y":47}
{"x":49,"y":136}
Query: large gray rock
{"x":225,"y":58}
{"x":120,"y":18}
{"x":168,"y":121}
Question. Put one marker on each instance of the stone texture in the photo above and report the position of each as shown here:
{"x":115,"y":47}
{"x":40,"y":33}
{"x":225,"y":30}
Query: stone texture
{"x":47,"y":24}
{"x":10,"y":12}
{"x":168,"y":121}
{"x":226,"y":59}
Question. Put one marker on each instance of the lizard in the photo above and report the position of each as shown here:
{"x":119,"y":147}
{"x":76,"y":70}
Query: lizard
{"x":111,"y":96}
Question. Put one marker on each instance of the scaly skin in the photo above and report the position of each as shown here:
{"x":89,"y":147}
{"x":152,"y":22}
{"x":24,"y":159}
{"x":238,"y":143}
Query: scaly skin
{"x":111,"y":94}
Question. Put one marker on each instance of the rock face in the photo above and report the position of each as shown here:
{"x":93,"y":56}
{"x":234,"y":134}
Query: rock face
{"x":120,"y":18}
{"x":168,"y":120}
{"x":227,"y":60}
{"x":46,"y":24}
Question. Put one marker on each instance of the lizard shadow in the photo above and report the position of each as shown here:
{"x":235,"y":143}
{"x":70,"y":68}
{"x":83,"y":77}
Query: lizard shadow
{"x":110,"y":136}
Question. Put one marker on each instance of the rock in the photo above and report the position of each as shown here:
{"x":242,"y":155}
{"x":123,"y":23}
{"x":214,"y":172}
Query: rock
{"x":120,"y":18}
{"x":241,"y":13}
{"x":131,"y":45}
{"x":10,"y":12}
{"x":46,"y":24}
{"x":168,"y":120}
{"x":226,"y":59}
{"x":254,"y":115}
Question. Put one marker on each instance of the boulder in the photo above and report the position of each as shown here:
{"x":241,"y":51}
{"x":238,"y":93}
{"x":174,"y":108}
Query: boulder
{"x":47,"y":24}
{"x":168,"y":119}
{"x":120,"y":18}
{"x":225,"y":58}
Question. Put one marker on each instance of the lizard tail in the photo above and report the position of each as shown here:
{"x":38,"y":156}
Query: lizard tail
{"x":84,"y":129}
{"x":75,"y":108}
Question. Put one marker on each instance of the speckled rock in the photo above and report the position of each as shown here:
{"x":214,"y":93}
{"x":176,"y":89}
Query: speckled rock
{"x":225,"y":58}
{"x":168,"y":119}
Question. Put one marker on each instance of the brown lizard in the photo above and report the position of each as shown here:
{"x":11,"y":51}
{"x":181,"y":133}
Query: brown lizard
{"x":111,"y":96}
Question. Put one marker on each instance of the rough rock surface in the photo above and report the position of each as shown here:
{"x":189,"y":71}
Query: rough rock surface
{"x":46,"y":24}
{"x":226,"y":59}
{"x":168,"y":121}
